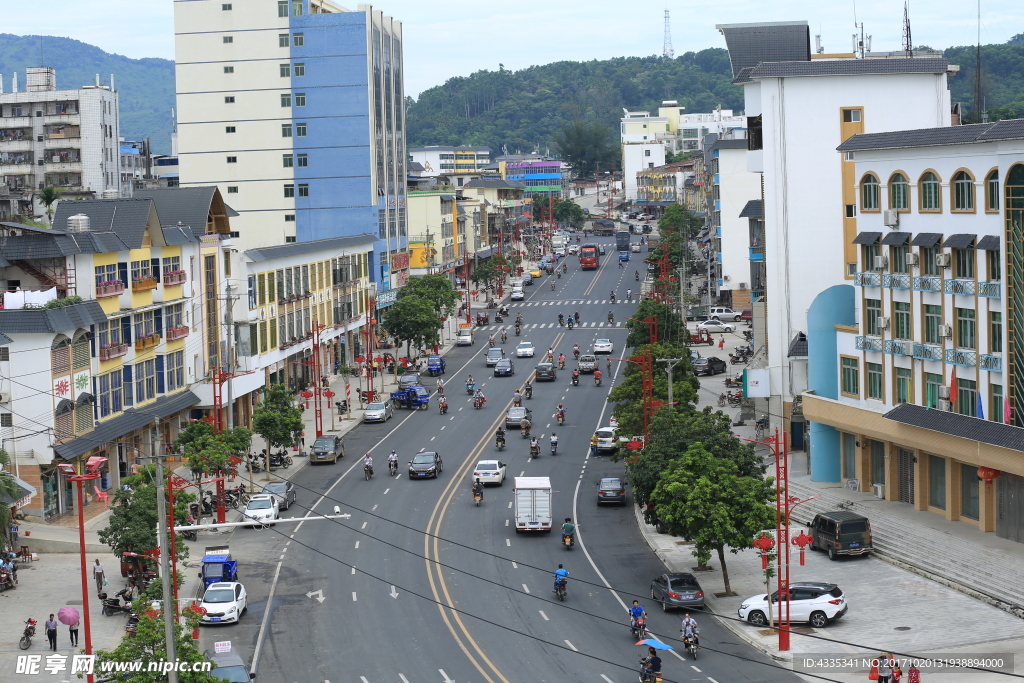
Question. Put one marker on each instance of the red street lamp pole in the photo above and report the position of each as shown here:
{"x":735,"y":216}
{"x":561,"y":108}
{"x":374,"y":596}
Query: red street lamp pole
{"x":72,"y":476}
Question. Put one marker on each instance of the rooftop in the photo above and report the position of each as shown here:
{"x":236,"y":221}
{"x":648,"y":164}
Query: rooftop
{"x":1011,"y":129}
{"x":336,"y":244}
{"x":844,"y":67}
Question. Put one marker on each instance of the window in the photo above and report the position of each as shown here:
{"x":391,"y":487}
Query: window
{"x":289,"y":190}
{"x":930,"y":192}
{"x":937,"y":482}
{"x":300,"y":130}
{"x":289,"y":218}
{"x":109,"y":389}
{"x":899,"y":192}
{"x":851,"y":210}
{"x":229,"y":39}
{"x":282,"y":40}
{"x":932,"y":322}
{"x":145,"y":380}
{"x":285,"y":70}
{"x":995,"y":410}
{"x":850,"y":376}
{"x":966,"y":328}
{"x":995,"y":265}
{"x":901,"y":328}
{"x":286,"y":130}
{"x":287,"y":160}
{"x":904,"y":385}
{"x":869,"y":252}
{"x":174,"y":316}
{"x":175,"y":370}
{"x":289,"y":239}
{"x":647,"y":152}
{"x":298,"y":40}
{"x":171,"y":264}
{"x":232,"y":160}
{"x":849,"y":456}
{"x":932,"y":382}
{"x":300,"y":99}
{"x":851,"y":116}
{"x":928,"y":266}
{"x":286,"y":100}
{"x":145,"y":324}
{"x":964,"y":261}
{"x":995,"y":332}
{"x":229,"y":69}
{"x":296,"y":8}
{"x":229,"y":129}
{"x":303,"y":190}
{"x":225,"y":7}
{"x":302,"y":160}
{"x":141,"y":269}
{"x":992,"y":192}
{"x":108,"y":333}
{"x":300,"y":69}
{"x":282,"y":9}
{"x":899,"y":259}
{"x":232,"y":189}
{"x":969,"y":491}
{"x":6,"y":420}
{"x":963,"y":192}
{"x":874,"y":377}
{"x":229,"y":100}
{"x":106,"y":274}
{"x":872,"y":309}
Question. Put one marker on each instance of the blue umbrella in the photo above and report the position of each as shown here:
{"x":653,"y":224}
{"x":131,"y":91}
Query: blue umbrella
{"x":656,"y":644}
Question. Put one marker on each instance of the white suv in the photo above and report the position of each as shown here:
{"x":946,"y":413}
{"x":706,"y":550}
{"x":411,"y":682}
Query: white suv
{"x":721,"y":313}
{"x":811,"y":602}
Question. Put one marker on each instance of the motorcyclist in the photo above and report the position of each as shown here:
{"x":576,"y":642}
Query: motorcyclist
{"x":652,"y":665}
{"x":504,"y":336}
{"x":518,"y":327}
{"x":611,"y":316}
{"x":442,"y":402}
{"x":440,"y":386}
{"x":565,"y":267}
{"x":689,"y":629}
{"x":479,"y":395}
{"x":560,"y":414}
{"x":597,"y":377}
{"x":478,"y":489}
{"x":490,"y":340}
{"x":636,"y":612}
{"x":571,"y":323}
{"x":499,"y":435}
{"x":576,"y":317}
{"x":519,"y":318}
{"x":534,"y":446}
{"x":368,"y":462}
{"x":636,"y":275}
{"x":575,"y":350}
{"x":524,"y":426}
{"x":551,"y":355}
{"x":517,"y":398}
{"x":561,"y":574}
{"x":554,"y":441}
{"x":568,"y":528}
{"x":561,"y":319}
{"x":576,"y":376}
{"x":629,"y":295}
{"x":561,"y":360}
{"x":612,"y":297}
{"x":528,"y":389}
{"x":552,"y":285}
{"x":393,"y":461}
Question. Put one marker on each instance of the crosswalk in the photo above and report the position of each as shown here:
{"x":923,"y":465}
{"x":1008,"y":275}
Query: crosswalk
{"x":541,"y":326}
{"x":567,"y":302}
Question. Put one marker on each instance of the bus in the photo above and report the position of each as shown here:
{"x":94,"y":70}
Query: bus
{"x":589,"y":257}
{"x":622,"y":240}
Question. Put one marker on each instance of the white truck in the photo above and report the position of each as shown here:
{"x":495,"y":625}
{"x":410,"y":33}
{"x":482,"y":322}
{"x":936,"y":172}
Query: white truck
{"x":464,"y":337}
{"x":533,"y":504}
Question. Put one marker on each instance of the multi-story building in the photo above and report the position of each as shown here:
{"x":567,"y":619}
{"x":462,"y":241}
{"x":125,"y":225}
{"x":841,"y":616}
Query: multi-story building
{"x":433,"y":239}
{"x":136,"y":172}
{"x":798,"y":111}
{"x":917,"y":366}
{"x":662,"y":186}
{"x":541,"y":177}
{"x":66,"y":139}
{"x":444,"y":160}
{"x":295,"y":110}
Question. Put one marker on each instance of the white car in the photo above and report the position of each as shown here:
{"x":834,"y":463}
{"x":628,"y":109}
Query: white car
{"x":262,"y":509}
{"x":606,"y":440}
{"x":378,"y":411}
{"x":489,"y":472}
{"x":560,"y":251}
{"x":524,"y":350}
{"x":517,"y":295}
{"x":809,"y":601}
{"x":635,"y":248}
{"x":224,"y":603}
{"x":715,"y":326}
{"x":604,"y":346}
{"x":574,"y":248}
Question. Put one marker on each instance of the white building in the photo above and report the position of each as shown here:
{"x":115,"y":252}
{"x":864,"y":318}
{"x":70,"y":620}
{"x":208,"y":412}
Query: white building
{"x":798,"y":111}
{"x":67,"y":139}
{"x":438,"y":160}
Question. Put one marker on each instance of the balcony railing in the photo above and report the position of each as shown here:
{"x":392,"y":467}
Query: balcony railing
{"x":988,"y":361}
{"x":143,"y":284}
{"x":867,"y":279}
{"x":964,"y":357}
{"x":174,"y":277}
{"x":927,"y":284}
{"x":757,"y":253}
{"x":896,"y":281}
{"x":869,"y":343}
{"x":113,"y":351}
{"x":991,"y":290}
{"x":961,"y":287}
{"x":927,"y":352}
{"x":109,"y":289}
{"x":177,"y":332}
{"x":756,"y":294}
{"x":899,"y":347}
{"x":147,"y":342}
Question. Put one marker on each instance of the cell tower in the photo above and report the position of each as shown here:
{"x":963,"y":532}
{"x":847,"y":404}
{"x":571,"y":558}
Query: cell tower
{"x":667,"y":52}
{"x":908,"y":42}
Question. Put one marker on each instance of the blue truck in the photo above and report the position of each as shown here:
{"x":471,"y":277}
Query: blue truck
{"x":436,"y":365}
{"x":411,"y":397}
{"x":218,"y":566}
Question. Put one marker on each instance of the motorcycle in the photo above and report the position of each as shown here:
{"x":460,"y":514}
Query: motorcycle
{"x":575,"y":379}
{"x":638,"y":628}
{"x":528,"y":391}
{"x":690,"y":643}
{"x":611,"y":319}
{"x":560,"y":588}
{"x":191,"y":534}
{"x":568,"y":541}
{"x":648,"y":676}
{"x":478,"y":402}
{"x":576,"y":353}
{"x":535,"y":451}
{"x":597,"y":380}
{"x":517,"y":330}
{"x":559,"y":273}
{"x":392,"y":467}
{"x":478,"y":497}
{"x":132,"y":625}
{"x":500,"y":443}
{"x":561,"y":418}
{"x":114,"y":605}
{"x":738,"y":359}
{"x":7,"y":581}
{"x":498,"y":318}
{"x":561,"y":364}
{"x":554,"y":448}
{"x":236,"y":496}
{"x":367,"y":471}
{"x":26,"y":635}
{"x":254,"y":464}
{"x":470,"y":387}
{"x":280,"y":459}
{"x":570,"y":323}
{"x":442,"y":406}
{"x":561,"y":322}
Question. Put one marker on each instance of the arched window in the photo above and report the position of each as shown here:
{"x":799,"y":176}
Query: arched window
{"x":899,"y":192}
{"x":60,"y":355}
{"x":963,"y":192}
{"x":930,"y":192}
{"x":992,"y":191}
{"x":869,"y":193}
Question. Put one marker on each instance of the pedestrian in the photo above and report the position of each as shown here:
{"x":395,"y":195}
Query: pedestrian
{"x":99,"y":575}
{"x":883,"y":666}
{"x":897,"y":672}
{"x":73,"y":631}
{"x":913,"y":674}
{"x":593,"y":446}
{"x":51,"y":632}
{"x":721,"y":342}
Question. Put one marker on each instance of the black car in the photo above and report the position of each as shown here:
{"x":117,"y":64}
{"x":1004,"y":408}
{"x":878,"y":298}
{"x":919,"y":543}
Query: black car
{"x":677,"y":590}
{"x":426,"y":464}
{"x":327,"y":448}
{"x":284,"y":490}
{"x":545,"y":372}
{"x":611,"y":490}
{"x":504,"y":368}
{"x":709,"y":365}
{"x":409,"y":379}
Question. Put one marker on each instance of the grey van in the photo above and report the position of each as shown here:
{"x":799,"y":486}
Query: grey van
{"x":841,"y":533}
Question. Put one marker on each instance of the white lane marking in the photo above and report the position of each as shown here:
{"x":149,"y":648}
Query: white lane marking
{"x":508,"y":542}
{"x":280,"y":557}
{"x":451,"y":418}
{"x":526,"y":588}
{"x":607,"y":679}
{"x":510,"y":505}
{"x":442,"y":427}
{"x":357,"y":544}
{"x":445,"y":676}
{"x":386,"y":490}
{"x":695,"y":668}
{"x":353,"y":570}
{"x":712,"y":680}
{"x":404,"y":679}
{"x":353,"y":596}
{"x":506,"y":522}
{"x":364,"y":525}
{"x":363,"y":679}
{"x":544,"y":615}
{"x":432,"y":438}
{"x":373,"y":508}
{"x":515,"y":566}
{"x":572,"y":646}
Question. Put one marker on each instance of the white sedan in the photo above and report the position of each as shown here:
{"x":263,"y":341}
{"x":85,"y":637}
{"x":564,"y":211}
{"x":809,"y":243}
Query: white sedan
{"x":524,"y":350}
{"x":715,"y":326}
{"x":489,"y":472}
{"x":224,"y":603}
{"x":262,"y":509}
{"x":604,"y":346}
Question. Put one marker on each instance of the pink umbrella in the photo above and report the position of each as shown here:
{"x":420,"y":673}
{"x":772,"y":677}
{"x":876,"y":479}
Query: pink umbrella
{"x":68,"y":615}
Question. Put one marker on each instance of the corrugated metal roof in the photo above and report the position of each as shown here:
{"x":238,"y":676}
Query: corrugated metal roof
{"x":963,"y":426}
{"x":850,"y":67}
{"x":177,"y":235}
{"x":798,"y":346}
{"x":749,"y":44}
{"x":127,"y":218}
{"x":867,"y":238}
{"x":44,"y":320}
{"x":926,"y":239}
{"x":752,"y":209}
{"x":961,"y":241}
{"x":989,"y":243}
{"x":4,"y":339}
{"x":1012,"y":129}
{"x":336,"y":244}
{"x":896,"y":239}
{"x":503,"y":184}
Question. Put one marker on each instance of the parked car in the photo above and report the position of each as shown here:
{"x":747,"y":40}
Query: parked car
{"x":841,"y":532}
{"x":425,"y":464}
{"x":709,"y":365}
{"x":515,"y":415}
{"x":746,"y":315}
{"x":494,"y":354}
{"x":504,"y":368}
{"x":262,"y":509}
{"x":283,"y":490}
{"x":524,"y":350}
{"x":327,"y":448}
{"x":604,"y":346}
{"x":810,"y":602}
{"x":489,"y":472}
{"x":545,"y":372}
{"x":723,"y":313}
{"x":227,"y":665}
{"x":611,"y":490}
{"x":224,"y":603}
{"x":607,"y":441}
{"x":715,"y":326}
{"x":378,"y":411}
{"x":677,"y":590}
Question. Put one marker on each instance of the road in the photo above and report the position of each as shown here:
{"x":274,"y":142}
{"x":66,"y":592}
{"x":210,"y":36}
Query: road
{"x":420,"y":585}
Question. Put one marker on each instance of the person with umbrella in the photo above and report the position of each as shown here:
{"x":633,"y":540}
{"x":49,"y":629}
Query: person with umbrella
{"x":70,"y":616}
{"x":651,"y":665}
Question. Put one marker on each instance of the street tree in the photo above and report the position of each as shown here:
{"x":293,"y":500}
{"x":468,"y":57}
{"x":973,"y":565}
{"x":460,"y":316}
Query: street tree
{"x":436,"y":289}
{"x":706,"y":500}
{"x":10,"y":492}
{"x":208,"y":452}
{"x":628,"y":394}
{"x":133,"y":515}
{"x":489,"y":273}
{"x":586,"y":146}
{"x":413,"y":321}
{"x":277,"y":419}
{"x":671,"y":326}
{"x":678,"y":219}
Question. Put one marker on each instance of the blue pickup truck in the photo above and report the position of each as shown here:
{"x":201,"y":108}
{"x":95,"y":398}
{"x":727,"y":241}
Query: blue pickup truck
{"x":436,"y":365}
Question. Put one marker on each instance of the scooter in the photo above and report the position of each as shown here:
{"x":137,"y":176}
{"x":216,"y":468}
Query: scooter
{"x":528,"y":391}
{"x":191,"y":534}
{"x":570,"y":323}
{"x":597,"y":380}
{"x":478,"y":496}
{"x":575,"y":379}
{"x":535,"y":451}
{"x":133,"y":624}
{"x":114,"y":605}
{"x":568,"y":541}
{"x":554,"y":448}
{"x":470,"y":387}
{"x":442,"y":407}
{"x":648,"y":676}
{"x":26,"y":636}
{"x":500,"y":443}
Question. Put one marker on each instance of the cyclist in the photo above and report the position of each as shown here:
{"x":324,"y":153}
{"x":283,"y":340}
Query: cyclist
{"x":368,"y":463}
{"x":561,"y":574}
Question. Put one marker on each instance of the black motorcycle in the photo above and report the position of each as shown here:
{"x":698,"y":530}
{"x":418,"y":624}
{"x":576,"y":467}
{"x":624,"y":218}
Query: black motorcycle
{"x":528,"y":391}
{"x":560,"y":588}
{"x":500,"y":443}
{"x":575,"y":379}
{"x":190,"y":534}
{"x":114,"y":605}
{"x":280,"y":459}
{"x":26,"y":635}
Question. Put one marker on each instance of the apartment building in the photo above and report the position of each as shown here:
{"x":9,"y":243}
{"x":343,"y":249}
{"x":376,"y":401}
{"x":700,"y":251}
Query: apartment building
{"x":294,"y":109}
{"x":66,"y":139}
{"x":434,"y":244}
{"x":438,"y":160}
{"x":540,"y":176}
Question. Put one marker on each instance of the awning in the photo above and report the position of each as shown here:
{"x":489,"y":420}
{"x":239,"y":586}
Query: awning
{"x":798,"y":347}
{"x":649,"y":202}
{"x":926,"y":239}
{"x":485,"y":253}
{"x":752,"y":209}
{"x":867,"y":238}
{"x":963,"y":241}
{"x":896,"y":239}
{"x":955,"y":424}
{"x":989,"y":243}
{"x":21,"y":496}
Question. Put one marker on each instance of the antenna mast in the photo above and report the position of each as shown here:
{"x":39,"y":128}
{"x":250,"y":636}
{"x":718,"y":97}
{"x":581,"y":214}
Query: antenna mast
{"x":908,"y":43}
{"x":979,"y":114}
{"x":667,"y":51}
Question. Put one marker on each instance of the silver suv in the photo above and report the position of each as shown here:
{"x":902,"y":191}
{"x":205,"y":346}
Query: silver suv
{"x":722,"y":313}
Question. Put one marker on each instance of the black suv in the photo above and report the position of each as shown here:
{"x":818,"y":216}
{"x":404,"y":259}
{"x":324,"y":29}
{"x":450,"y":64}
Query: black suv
{"x":327,"y":448}
{"x":545,"y":372}
{"x":709,"y":365}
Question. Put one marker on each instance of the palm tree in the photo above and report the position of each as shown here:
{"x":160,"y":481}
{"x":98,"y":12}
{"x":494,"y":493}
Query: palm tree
{"x":9,"y":492}
{"x":48,"y":196}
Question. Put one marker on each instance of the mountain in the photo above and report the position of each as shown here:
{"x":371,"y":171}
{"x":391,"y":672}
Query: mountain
{"x":145,"y":86}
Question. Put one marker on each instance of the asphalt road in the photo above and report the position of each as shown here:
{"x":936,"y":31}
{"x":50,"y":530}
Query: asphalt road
{"x":373,"y":598}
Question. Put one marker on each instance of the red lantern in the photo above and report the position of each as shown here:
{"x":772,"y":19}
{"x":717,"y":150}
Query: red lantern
{"x":329,"y":394}
{"x":359,"y":359}
{"x":764,"y":544}
{"x":635,"y":445}
{"x":307,"y":394}
{"x":801,"y":540}
{"x":987,"y":474}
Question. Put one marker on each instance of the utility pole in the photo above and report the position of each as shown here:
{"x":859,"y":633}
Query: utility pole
{"x":670,"y":366}
{"x":230,"y":422}
{"x":165,"y":572}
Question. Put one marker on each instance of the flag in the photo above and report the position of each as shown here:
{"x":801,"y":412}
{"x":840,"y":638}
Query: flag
{"x":953,"y":389}
{"x":1006,"y":410}
{"x":981,"y":408}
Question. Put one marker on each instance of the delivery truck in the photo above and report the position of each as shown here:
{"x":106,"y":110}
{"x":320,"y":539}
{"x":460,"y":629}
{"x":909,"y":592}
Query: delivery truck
{"x":532,"y":504}
{"x":465,"y":335}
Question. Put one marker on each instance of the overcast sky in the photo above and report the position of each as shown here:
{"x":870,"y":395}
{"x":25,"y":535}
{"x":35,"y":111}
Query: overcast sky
{"x":445,"y":38}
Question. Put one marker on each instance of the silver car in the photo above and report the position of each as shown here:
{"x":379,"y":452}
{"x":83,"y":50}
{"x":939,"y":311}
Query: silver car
{"x":283,"y":490}
{"x":378,"y":411}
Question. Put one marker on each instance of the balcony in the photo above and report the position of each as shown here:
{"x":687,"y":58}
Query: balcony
{"x":147,"y":342}
{"x":869,"y":343}
{"x":111,"y":351}
{"x":990,"y":290}
{"x":898,"y":347}
{"x":143,"y":284}
{"x":757,"y":253}
{"x":960,"y":287}
{"x":867,"y":279}
{"x":896,"y":281}
{"x":965,"y":357}
{"x":927,"y":352}
{"x":174,"y":333}
{"x":927,"y":284}
{"x":174,"y":277}
{"x":988,"y":361}
{"x":105,"y":290}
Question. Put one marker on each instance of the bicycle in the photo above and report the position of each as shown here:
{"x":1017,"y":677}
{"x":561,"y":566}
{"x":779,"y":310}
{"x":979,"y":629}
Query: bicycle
{"x":760,"y":427}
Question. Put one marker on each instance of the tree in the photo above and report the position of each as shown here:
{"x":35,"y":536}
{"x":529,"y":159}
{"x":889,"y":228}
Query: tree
{"x":628,"y":394}
{"x":413,"y":321}
{"x":435,"y":289}
{"x":706,"y":500}
{"x":586,"y":146}
{"x":671,"y":327}
{"x":48,"y":196}
{"x":133,"y":516}
{"x":10,"y":493}
{"x":677,"y":218}
{"x":489,"y":273}
{"x":277,"y":419}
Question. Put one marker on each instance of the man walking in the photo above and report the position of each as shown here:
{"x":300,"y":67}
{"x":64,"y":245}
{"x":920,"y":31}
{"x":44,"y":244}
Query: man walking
{"x":98,"y":574}
{"x":51,"y":632}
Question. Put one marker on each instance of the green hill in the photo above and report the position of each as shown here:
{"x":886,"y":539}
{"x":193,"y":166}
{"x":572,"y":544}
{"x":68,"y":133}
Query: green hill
{"x":145,"y":86}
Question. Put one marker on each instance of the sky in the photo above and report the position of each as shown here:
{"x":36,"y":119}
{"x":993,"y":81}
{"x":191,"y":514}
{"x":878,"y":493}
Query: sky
{"x":446,"y":38}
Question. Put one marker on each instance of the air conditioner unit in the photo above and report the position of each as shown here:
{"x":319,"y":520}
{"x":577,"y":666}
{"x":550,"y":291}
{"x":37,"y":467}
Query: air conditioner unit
{"x":743,"y":285}
{"x":5,"y":397}
{"x":891,"y":217}
{"x":942,"y":260}
{"x":725,"y":278}
{"x":945,"y":406}
{"x":912,"y":259}
{"x":882,"y":322}
{"x":944,"y":392}
{"x":879,"y":491}
{"x":881,"y":262}
{"x":945,"y":331}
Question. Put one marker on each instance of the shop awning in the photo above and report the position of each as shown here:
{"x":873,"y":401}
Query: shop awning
{"x":989,"y":243}
{"x":926,"y":239}
{"x":752,"y":209}
{"x":22,"y":496}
